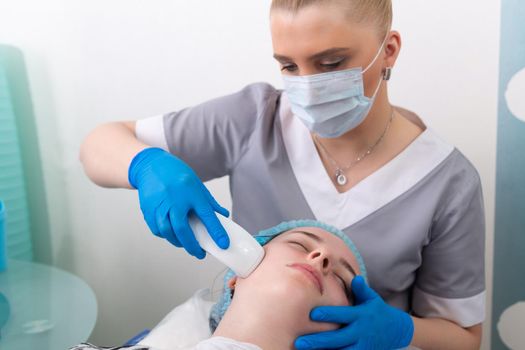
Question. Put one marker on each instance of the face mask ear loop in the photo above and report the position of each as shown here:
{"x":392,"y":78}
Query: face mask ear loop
{"x":372,"y":63}
{"x":377,"y":54}
{"x":377,"y":89}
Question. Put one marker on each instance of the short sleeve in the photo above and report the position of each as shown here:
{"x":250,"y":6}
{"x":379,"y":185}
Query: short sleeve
{"x":450,"y":283}
{"x":212,"y":136}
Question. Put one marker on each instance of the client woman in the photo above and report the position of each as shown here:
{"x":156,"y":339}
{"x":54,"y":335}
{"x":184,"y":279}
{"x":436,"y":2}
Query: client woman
{"x":307,"y":264}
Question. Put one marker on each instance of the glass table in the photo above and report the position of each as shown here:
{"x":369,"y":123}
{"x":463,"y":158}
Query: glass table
{"x":47,"y":308}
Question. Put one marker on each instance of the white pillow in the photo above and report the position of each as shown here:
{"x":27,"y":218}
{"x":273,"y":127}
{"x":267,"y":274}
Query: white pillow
{"x":185,"y":326}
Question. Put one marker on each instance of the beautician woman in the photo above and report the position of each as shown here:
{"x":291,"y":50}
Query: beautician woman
{"x":329,"y":146}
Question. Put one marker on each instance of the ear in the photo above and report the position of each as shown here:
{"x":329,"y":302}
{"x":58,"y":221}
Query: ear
{"x":232,"y":282}
{"x":231,"y":285}
{"x":392,"y":48}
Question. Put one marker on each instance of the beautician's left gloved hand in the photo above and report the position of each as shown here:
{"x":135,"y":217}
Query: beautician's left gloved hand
{"x":369,"y":324}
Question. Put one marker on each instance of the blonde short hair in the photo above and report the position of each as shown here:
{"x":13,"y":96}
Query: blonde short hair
{"x":375,"y":12}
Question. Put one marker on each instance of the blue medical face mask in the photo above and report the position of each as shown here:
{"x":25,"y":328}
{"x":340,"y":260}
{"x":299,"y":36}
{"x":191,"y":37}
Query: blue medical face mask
{"x":331,"y":104}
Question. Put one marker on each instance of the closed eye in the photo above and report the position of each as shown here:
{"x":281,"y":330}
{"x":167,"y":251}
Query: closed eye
{"x":346,"y":290}
{"x":341,"y":281}
{"x":299,"y":244}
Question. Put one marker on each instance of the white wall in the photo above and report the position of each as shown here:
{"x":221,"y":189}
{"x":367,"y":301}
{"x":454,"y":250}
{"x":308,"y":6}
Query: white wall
{"x":97,"y":61}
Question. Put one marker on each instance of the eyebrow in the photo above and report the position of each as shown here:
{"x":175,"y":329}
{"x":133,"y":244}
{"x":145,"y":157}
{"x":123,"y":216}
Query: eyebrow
{"x":319,"y":239}
{"x":324,"y":53}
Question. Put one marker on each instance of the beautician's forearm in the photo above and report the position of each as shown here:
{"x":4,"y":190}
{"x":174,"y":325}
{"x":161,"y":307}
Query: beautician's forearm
{"x":435,"y":333}
{"x":107,"y":152}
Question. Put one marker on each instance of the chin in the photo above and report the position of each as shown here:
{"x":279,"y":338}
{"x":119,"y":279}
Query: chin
{"x":299,"y":297}
{"x":295,"y":291}
{"x":293,"y":296}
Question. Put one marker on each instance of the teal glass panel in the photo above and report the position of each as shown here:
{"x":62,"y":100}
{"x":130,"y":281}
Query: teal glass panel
{"x":509,"y":240}
{"x":12,"y":181}
{"x":24,"y":126}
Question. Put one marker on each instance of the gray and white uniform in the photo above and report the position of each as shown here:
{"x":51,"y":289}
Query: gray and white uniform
{"x":418,"y":221}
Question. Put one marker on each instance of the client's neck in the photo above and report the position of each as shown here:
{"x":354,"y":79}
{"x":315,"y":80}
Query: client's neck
{"x":262,"y":325}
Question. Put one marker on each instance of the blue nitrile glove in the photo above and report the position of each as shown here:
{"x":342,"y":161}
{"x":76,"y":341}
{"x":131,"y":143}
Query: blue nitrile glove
{"x":169,"y":190}
{"x":369,"y":324}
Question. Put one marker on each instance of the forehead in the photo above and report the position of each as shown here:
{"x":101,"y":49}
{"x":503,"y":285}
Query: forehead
{"x":317,"y":27}
{"x":334,"y":244}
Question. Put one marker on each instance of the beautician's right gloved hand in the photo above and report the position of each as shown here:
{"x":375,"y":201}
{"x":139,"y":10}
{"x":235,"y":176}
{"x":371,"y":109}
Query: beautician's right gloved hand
{"x":370,"y":324}
{"x":169,"y":190}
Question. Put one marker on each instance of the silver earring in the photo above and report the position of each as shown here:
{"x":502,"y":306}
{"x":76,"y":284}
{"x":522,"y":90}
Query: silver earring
{"x":387,"y":74}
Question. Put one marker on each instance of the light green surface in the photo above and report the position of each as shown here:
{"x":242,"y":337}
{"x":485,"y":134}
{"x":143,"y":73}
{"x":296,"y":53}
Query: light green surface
{"x":50,"y":308}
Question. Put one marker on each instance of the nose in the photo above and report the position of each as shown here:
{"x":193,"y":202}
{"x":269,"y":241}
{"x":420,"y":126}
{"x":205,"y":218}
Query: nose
{"x":308,"y":71}
{"x":320,"y":258}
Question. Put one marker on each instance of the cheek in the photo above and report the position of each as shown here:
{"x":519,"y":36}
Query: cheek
{"x":271,"y":268}
{"x":336,"y":295}
{"x":274,"y":279}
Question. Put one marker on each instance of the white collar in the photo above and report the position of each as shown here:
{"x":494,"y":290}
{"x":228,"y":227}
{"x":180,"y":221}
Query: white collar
{"x":342,"y":210}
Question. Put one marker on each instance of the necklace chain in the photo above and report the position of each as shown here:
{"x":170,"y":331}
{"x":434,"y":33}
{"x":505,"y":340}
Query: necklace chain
{"x":340,"y":176}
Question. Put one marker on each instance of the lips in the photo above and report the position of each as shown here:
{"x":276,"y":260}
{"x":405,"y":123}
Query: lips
{"x":311,"y":273}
